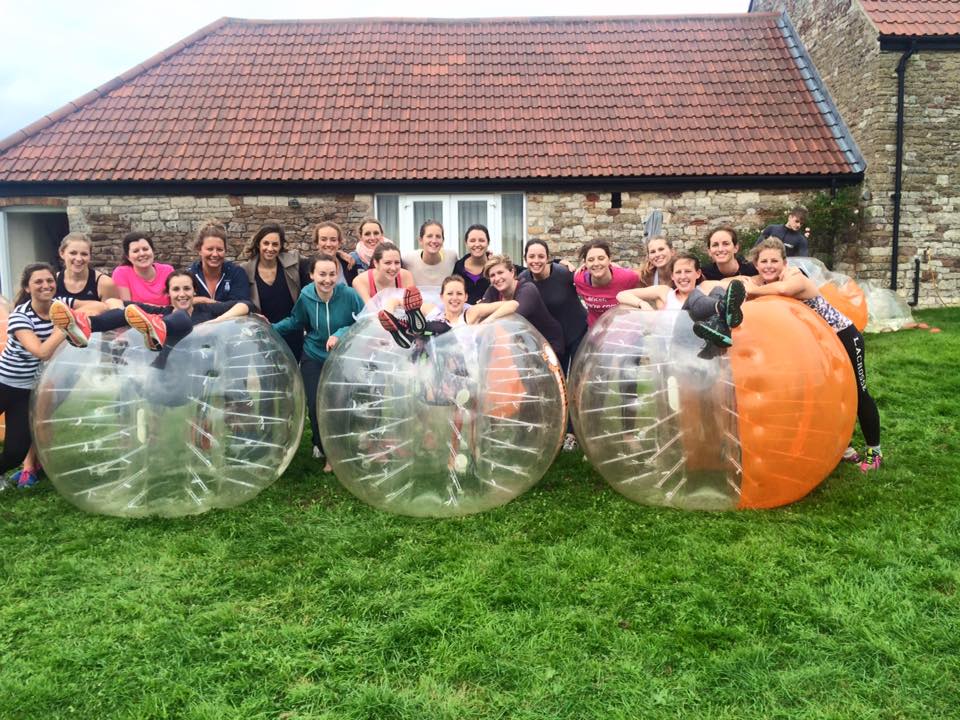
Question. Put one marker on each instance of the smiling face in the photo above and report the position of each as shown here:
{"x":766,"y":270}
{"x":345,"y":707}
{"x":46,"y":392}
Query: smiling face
{"x":685,"y":275}
{"x":502,"y":279}
{"x":269,"y":246}
{"x":76,"y":256}
{"x":41,"y":286}
{"x":477,"y":243}
{"x":388,"y":266}
{"x":536,"y":260}
{"x":453,"y":297}
{"x":212,"y":250}
{"x":140,"y":254}
{"x":431,"y":242}
{"x":659,"y":253}
{"x":770,"y":264}
{"x":328,"y":240}
{"x":324,"y":276}
{"x":181,"y":292}
{"x":597,"y":262}
{"x":371,"y":235}
{"x":721,"y":247}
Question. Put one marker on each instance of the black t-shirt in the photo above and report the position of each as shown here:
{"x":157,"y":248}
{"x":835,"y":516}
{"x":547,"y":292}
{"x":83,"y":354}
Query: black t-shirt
{"x":534,"y":310}
{"x":794,"y":241}
{"x":560,"y":297}
{"x":275,"y":300}
{"x":712,"y":272}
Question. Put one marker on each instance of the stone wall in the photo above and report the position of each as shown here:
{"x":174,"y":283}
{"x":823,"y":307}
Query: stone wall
{"x":173,"y":221}
{"x":863,"y":83}
{"x":565,"y":220}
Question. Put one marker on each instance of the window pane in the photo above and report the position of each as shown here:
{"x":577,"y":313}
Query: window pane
{"x":511,"y":225}
{"x":469,"y":212}
{"x":388,"y":213}
{"x":424,"y":210}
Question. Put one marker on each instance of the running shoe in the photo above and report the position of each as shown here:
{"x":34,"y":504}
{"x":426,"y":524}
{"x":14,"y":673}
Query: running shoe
{"x":570,"y":443}
{"x":26,"y":478}
{"x":75,"y":324}
{"x":152,"y":327}
{"x":412,"y":302}
{"x":714,"y":331}
{"x":396,"y":329}
{"x":850,"y":455}
{"x":872,"y":460}
{"x":730,"y":307}
{"x":318,"y":453}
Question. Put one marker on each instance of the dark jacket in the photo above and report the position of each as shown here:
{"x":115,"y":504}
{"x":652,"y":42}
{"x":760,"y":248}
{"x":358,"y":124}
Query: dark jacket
{"x":233,"y":283}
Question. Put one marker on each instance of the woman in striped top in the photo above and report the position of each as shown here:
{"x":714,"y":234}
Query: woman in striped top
{"x":30,"y":341}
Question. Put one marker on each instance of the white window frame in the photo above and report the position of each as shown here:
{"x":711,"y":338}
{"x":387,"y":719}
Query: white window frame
{"x":453,"y":233}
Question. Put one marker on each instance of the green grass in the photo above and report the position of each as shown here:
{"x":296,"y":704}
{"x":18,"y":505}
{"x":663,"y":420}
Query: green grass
{"x":570,"y":602}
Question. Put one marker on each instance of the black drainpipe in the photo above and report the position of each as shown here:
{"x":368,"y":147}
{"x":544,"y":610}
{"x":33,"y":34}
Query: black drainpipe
{"x":898,"y":171}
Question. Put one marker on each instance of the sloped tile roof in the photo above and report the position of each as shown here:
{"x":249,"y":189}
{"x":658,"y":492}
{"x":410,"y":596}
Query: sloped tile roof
{"x":407,"y":100}
{"x":914,"y":18}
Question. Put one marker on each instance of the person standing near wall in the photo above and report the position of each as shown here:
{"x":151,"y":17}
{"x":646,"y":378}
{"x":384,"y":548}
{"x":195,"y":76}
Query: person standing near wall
{"x":790,"y":234}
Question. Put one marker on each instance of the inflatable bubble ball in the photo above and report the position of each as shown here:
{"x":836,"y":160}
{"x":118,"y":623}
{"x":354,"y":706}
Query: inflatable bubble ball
{"x":457,"y":424}
{"x":206,"y":423}
{"x":755,"y":426}
{"x":887,"y":310}
{"x":840,"y":290}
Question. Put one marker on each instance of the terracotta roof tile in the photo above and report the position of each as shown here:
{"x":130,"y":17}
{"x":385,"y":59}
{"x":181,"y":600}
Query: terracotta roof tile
{"x":914,"y":18}
{"x":367,"y":100}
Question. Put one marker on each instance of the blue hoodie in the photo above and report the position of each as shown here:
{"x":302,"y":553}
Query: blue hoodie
{"x":321,"y":319}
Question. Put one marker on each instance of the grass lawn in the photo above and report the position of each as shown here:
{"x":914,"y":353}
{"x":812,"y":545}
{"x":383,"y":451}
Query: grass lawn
{"x":570,"y":602}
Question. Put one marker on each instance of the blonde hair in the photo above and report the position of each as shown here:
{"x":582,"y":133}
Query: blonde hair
{"x":211,"y":228}
{"x":495,"y":260}
{"x":75,"y":237}
{"x":770,"y":243}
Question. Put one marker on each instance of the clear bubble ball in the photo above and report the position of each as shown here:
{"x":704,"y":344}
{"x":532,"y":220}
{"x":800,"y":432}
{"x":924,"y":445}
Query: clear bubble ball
{"x":457,"y":424}
{"x":756,"y":426}
{"x":207,"y":423}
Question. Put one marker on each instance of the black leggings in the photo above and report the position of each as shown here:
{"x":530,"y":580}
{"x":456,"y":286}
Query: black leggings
{"x":15,"y":404}
{"x":179,"y":323}
{"x":867,"y":412}
{"x":311,"y":368}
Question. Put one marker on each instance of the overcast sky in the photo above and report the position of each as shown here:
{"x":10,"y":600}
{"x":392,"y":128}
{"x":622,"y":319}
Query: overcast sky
{"x":54,"y":51}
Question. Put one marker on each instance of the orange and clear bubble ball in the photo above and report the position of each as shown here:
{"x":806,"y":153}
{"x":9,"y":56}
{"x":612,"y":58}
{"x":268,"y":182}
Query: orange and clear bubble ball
{"x":757,"y":426}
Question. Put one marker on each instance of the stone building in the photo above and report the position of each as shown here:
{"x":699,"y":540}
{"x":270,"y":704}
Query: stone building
{"x":555,"y":128}
{"x":865,"y":51}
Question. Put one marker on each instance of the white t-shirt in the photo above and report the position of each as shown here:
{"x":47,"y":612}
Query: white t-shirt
{"x":428,"y":275}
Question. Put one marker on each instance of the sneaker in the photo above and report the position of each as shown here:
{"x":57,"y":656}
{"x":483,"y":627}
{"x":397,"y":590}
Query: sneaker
{"x":850,"y":455}
{"x":396,"y":329}
{"x":729,"y":307}
{"x":412,"y":302}
{"x":152,"y":327}
{"x":714,"y":331}
{"x":317,"y":453}
{"x":872,"y":460}
{"x":75,"y":324}
{"x":26,"y":478}
{"x":570,"y":443}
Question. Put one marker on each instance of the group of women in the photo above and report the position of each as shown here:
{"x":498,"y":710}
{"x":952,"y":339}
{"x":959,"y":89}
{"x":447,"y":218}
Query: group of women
{"x":312,"y":302}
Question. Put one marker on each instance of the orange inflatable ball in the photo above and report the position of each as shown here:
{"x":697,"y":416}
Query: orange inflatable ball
{"x":848,"y":298}
{"x":757,"y":426}
{"x":796,"y":400}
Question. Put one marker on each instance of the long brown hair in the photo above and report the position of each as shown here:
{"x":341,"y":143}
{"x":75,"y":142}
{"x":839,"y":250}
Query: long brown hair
{"x":23,"y":295}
